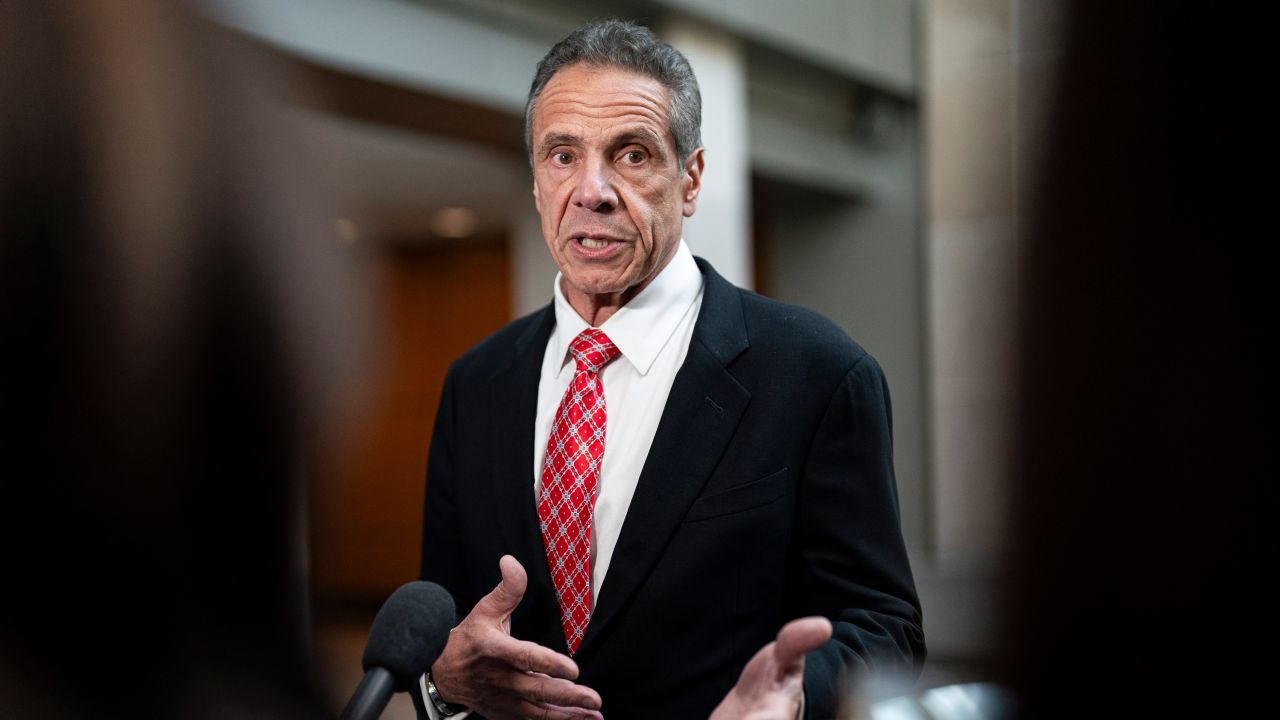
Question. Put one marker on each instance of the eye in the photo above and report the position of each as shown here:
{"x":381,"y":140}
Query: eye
{"x":561,"y":158}
{"x":635,"y":157}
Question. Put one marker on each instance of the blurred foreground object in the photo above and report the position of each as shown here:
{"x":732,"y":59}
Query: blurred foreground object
{"x":1147,"y":471}
{"x":966,"y":701}
{"x":173,"y":333}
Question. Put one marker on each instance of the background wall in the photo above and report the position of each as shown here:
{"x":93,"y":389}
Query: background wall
{"x":990,"y":67}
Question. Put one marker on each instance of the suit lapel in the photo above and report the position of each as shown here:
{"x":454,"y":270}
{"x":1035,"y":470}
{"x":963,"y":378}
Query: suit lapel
{"x":705,"y":403}
{"x":515,"y":401}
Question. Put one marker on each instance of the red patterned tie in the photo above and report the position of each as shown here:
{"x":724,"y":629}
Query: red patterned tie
{"x":570,"y":473}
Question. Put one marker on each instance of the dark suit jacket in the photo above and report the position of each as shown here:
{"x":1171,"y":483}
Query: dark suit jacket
{"x":768,"y":494}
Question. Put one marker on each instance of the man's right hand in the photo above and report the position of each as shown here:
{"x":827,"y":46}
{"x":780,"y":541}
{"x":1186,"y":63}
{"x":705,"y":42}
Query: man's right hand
{"x":489,"y":671}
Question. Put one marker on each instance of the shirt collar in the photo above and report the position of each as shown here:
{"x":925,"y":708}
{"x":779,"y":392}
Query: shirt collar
{"x":642,"y":327}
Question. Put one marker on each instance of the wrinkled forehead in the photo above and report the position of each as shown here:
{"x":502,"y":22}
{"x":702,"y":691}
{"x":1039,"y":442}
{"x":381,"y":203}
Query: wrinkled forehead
{"x":601,"y":99}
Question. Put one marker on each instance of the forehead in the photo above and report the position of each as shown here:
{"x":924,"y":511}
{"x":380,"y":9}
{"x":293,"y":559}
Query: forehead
{"x":598,"y":99}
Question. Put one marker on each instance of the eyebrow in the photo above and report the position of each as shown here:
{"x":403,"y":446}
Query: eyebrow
{"x":641,"y":134}
{"x":630,"y":135}
{"x":551,"y":141}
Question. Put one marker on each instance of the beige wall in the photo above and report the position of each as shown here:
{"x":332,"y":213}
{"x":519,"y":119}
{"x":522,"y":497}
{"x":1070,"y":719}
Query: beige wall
{"x":988,"y":77}
{"x":989,"y":72}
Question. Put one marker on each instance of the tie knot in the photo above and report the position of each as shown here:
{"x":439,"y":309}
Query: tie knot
{"x":592,"y":350}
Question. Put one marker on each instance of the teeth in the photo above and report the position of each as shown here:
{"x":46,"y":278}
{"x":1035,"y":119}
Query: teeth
{"x":592,"y":243}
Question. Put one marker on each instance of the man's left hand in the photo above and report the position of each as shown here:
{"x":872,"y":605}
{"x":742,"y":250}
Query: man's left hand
{"x":771,"y":686}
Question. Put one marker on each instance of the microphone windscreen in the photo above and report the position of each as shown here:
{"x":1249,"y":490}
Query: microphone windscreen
{"x":410,"y":632}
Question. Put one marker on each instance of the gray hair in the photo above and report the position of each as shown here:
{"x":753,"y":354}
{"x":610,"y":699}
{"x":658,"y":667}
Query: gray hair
{"x":626,"y":45}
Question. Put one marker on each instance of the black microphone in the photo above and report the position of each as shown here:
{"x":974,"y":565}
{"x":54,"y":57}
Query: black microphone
{"x":408,"y":634}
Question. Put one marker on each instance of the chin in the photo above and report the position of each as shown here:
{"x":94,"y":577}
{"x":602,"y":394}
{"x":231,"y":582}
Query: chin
{"x":598,"y":285}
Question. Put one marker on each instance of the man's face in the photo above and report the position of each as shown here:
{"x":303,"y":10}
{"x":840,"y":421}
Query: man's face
{"x":607,"y":182}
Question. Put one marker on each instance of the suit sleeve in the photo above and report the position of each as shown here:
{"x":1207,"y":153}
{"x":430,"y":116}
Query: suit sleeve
{"x":442,"y":533}
{"x":852,"y":562}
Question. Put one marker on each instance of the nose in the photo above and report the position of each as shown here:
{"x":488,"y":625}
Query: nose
{"x":594,"y":190}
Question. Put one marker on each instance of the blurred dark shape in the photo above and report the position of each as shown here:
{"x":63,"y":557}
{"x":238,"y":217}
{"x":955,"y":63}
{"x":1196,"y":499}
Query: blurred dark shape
{"x":1148,"y":433}
{"x":169,"y":331}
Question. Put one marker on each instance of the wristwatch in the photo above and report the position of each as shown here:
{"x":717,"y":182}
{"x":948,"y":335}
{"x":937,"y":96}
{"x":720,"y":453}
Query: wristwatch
{"x":446,"y":709}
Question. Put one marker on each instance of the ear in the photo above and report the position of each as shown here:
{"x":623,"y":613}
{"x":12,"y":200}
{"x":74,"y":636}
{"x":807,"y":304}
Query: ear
{"x":537,"y":201}
{"x":692,"y":180}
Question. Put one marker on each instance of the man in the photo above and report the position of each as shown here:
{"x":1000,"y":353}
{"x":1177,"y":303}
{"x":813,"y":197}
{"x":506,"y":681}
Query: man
{"x":658,"y":470}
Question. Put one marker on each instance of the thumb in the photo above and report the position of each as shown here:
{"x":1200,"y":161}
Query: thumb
{"x":799,"y":637}
{"x":506,"y":596}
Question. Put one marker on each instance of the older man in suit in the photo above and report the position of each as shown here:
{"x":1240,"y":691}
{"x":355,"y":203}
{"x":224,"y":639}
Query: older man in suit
{"x":658,"y":470}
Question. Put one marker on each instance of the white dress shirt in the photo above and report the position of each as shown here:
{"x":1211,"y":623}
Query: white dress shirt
{"x":652,"y":331}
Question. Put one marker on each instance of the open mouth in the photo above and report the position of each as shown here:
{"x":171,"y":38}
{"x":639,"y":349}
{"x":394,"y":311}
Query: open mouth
{"x":594,"y":242}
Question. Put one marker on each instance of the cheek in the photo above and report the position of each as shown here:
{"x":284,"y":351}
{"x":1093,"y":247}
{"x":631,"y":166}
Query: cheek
{"x":660,"y":221}
{"x":551,"y":207}
{"x":651,"y":211}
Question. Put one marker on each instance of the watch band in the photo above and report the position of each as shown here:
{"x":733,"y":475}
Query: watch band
{"x":445,"y":708}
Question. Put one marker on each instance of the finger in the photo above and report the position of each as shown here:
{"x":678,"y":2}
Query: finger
{"x":553,"y":712}
{"x":528,"y":656}
{"x":544,"y":690}
{"x":506,"y":596}
{"x":775,"y":707}
{"x":801,"y":636}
